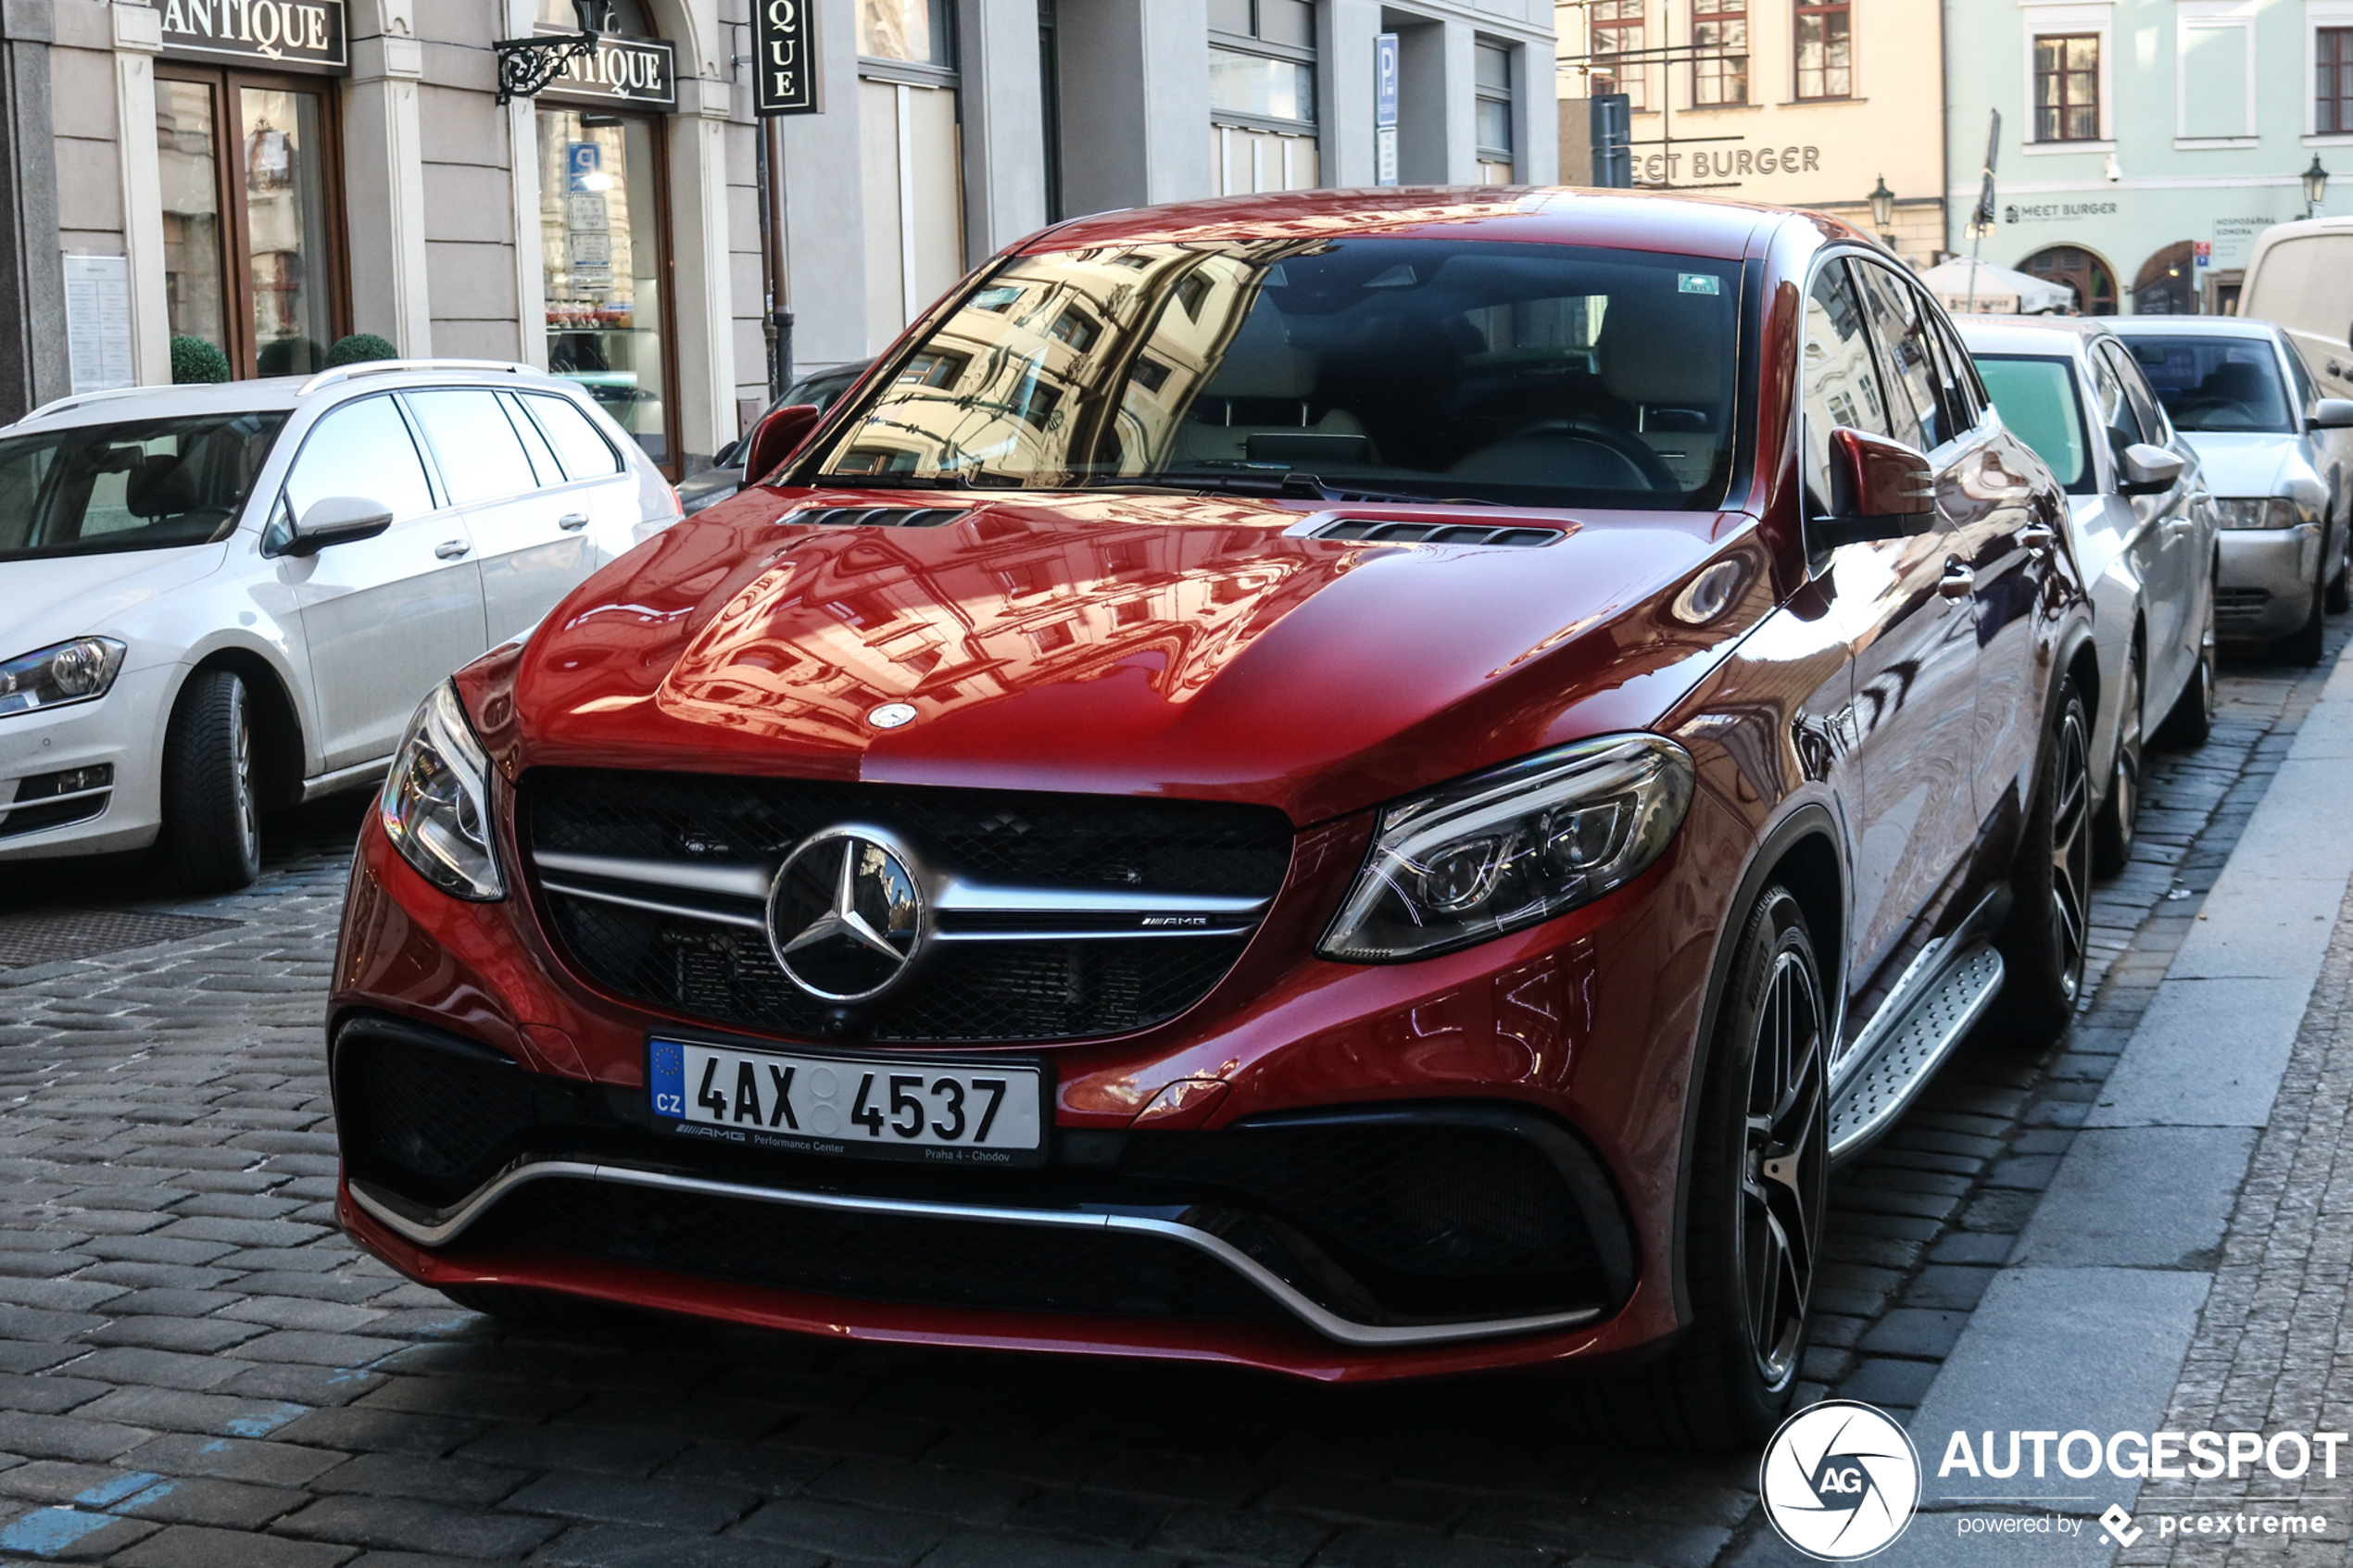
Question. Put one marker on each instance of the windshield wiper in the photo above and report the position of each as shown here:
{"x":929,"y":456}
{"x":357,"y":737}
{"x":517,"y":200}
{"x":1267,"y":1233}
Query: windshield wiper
{"x":890,"y":481}
{"x":1306,"y":486}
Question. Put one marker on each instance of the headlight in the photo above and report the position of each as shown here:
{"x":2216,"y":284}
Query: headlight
{"x":80,"y":670}
{"x":1510,"y":847}
{"x":2258,"y":512}
{"x":436,"y":802}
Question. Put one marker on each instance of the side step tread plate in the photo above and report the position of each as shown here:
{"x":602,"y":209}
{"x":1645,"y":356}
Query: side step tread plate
{"x":1871,"y":1099}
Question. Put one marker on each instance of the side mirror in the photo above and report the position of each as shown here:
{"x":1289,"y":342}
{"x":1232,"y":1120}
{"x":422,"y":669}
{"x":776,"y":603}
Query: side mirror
{"x":776,"y":438}
{"x":1880,"y":489}
{"x":2143,"y":470}
{"x":337,"y":519}
{"x":2333,"y":413}
{"x":725,"y":457}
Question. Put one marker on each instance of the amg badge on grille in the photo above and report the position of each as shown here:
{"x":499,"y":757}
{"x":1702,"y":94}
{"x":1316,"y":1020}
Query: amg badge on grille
{"x":846,"y":915}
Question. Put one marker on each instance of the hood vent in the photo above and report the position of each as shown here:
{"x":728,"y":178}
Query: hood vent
{"x":876,"y":516}
{"x":1364,"y":532}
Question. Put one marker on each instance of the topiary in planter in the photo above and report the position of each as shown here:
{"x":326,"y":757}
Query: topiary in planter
{"x":196,"y":362}
{"x":358,"y":348}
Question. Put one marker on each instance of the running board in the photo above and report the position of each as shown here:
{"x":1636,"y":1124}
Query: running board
{"x":1875,"y":1094}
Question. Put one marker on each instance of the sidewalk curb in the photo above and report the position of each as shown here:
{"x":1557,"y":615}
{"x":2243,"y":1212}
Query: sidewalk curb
{"x":2112,"y":1270}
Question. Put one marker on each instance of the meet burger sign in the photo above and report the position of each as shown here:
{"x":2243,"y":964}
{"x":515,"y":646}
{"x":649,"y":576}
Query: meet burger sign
{"x":283,"y":33}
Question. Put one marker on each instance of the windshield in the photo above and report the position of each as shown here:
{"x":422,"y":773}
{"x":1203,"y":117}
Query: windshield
{"x":149,"y":484}
{"x":1532,"y":374}
{"x":2216,"y":382}
{"x":2038,"y":402}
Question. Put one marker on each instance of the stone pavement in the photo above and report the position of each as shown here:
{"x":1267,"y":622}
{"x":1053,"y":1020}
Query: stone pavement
{"x":195,"y":1369}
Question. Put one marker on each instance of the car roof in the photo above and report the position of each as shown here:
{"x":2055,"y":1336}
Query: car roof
{"x":2029,"y":334}
{"x":277,"y":393}
{"x":2199,"y":326}
{"x":1557,"y":214}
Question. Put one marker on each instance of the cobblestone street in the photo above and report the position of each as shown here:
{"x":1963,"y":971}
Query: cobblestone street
{"x":196,"y":1369}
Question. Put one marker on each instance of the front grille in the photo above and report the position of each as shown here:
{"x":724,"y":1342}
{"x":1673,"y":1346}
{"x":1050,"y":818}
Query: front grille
{"x":1411,"y":1216}
{"x":719,"y":966}
{"x":875,"y":1256}
{"x":2240,"y":603}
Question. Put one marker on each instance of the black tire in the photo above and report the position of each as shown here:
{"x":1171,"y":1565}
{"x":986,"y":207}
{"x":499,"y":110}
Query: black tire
{"x":2112,"y":840}
{"x":2303,"y":645}
{"x":2044,"y":940}
{"x":2340,"y":598}
{"x":1759,"y":1188}
{"x":211,"y":820}
{"x":2191,"y":719}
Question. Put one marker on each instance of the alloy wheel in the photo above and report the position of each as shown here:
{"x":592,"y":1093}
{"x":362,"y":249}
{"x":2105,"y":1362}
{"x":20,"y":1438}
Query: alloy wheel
{"x":2124,"y":784}
{"x":2071,"y":849}
{"x":1784,"y":1169}
{"x":241,"y":778}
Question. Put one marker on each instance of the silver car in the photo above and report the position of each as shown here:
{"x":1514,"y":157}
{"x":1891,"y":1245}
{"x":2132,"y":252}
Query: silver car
{"x":2275,"y":457}
{"x":2142,"y":530}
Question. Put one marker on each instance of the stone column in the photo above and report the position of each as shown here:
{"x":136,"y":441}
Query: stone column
{"x":33,"y":364}
{"x":699,"y":225}
{"x":383,"y":176}
{"x":522,"y":171}
{"x":1003,"y":110}
{"x":138,"y":38}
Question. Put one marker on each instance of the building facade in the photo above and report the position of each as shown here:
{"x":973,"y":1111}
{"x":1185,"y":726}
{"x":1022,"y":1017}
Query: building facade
{"x":1798,"y":103}
{"x":2145,"y":143}
{"x":265,"y":177}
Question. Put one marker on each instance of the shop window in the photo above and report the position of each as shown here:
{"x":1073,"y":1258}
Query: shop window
{"x":2093,"y":283}
{"x":1825,"y":49}
{"x":1720,"y":52}
{"x":1262,"y":95}
{"x":911,"y":31}
{"x":1491,"y":65}
{"x":2167,"y":284}
{"x":1617,"y":49}
{"x":2333,"y":84}
{"x":604,"y":261}
{"x":2067,"y":87}
{"x":252,"y":201}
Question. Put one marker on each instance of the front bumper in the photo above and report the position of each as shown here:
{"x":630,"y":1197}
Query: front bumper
{"x":2264,"y":587}
{"x":121,"y":731}
{"x":1567,"y":1049}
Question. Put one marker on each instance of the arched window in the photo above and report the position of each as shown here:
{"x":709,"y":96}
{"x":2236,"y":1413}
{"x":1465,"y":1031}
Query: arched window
{"x":2168,"y":281}
{"x":2091,"y":278}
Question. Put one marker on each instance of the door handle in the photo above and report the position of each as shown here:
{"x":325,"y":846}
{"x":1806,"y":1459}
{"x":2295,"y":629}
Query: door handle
{"x":573,"y":523}
{"x":1958,"y":581}
{"x":450,"y":549}
{"x":2035,"y":536}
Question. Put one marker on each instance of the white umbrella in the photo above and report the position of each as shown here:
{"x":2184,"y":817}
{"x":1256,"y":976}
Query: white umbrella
{"x":1998,"y":289}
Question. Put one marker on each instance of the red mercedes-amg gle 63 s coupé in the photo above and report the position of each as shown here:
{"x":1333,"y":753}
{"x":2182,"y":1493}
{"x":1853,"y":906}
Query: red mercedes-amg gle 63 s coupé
{"x":1361,"y":783}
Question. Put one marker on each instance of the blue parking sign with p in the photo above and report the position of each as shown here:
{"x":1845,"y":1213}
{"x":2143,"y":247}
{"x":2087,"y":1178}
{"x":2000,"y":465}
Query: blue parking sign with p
{"x":582,"y":159}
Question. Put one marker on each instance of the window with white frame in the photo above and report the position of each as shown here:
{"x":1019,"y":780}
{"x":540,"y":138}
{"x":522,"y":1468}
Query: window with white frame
{"x":2328,"y":68}
{"x":2069,"y":69}
{"x":2214,"y":71}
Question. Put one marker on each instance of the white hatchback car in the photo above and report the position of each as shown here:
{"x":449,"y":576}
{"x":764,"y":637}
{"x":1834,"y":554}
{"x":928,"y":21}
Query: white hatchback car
{"x":216,"y":600}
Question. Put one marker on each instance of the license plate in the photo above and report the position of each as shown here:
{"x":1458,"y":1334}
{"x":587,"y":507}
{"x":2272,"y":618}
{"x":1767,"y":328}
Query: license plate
{"x":942,"y":1111}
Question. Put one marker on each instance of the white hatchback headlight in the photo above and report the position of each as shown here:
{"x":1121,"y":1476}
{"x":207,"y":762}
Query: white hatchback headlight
{"x":436,"y":803}
{"x":2261,"y":512}
{"x":80,"y":670}
{"x":1512,"y":846}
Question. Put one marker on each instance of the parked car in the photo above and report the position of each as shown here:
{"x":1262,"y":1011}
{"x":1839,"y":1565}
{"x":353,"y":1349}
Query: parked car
{"x":2275,"y":453}
{"x":725,"y":475}
{"x":2141,"y":529}
{"x":215,"y":601}
{"x":2300,"y":276}
{"x":1360,"y":784}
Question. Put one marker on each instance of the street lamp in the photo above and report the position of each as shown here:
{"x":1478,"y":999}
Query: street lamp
{"x":2316,"y":185}
{"x":1883,"y":210}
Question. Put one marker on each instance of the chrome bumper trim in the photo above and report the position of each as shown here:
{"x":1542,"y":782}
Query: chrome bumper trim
{"x":448,"y":1224}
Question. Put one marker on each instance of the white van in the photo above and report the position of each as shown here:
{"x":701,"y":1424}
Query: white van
{"x":2301,"y":276}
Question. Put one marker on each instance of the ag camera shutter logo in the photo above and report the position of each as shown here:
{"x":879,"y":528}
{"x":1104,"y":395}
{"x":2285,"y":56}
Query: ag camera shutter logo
{"x":1840,"y":1480}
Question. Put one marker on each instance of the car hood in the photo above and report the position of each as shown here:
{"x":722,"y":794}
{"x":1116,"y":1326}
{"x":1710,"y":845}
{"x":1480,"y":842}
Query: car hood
{"x":2246,"y":464}
{"x":49,"y":600}
{"x":1117,"y":644}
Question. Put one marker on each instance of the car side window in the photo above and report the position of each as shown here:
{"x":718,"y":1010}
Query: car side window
{"x":2147,"y":411}
{"x":364,"y":449}
{"x":480,"y":456}
{"x":1837,"y":383}
{"x":2306,"y":392}
{"x":2114,"y":410}
{"x":583,"y":453}
{"x":1914,"y":405}
{"x":1965,"y":399}
{"x":543,"y":461}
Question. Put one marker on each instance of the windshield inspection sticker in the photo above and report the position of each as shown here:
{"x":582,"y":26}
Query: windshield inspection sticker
{"x":1699,"y":282}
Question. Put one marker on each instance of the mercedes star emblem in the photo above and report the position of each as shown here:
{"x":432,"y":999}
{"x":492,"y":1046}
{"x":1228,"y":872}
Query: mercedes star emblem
{"x":890,"y":715}
{"x":846,"y":915}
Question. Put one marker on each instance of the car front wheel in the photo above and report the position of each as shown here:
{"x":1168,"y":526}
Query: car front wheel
{"x":211,"y":823}
{"x":2044,"y":939}
{"x":1759,"y":1188}
{"x":2113,"y":846}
